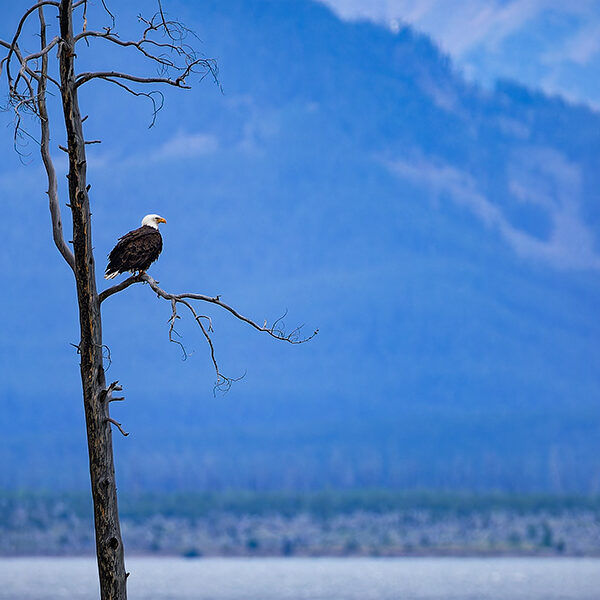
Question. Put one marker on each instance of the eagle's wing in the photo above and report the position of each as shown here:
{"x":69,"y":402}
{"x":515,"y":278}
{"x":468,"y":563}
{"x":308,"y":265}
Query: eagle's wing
{"x":135,"y":251}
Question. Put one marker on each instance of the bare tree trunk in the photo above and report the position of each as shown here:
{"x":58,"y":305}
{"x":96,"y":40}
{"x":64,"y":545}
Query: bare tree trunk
{"x":109,"y":546}
{"x":176,"y":66}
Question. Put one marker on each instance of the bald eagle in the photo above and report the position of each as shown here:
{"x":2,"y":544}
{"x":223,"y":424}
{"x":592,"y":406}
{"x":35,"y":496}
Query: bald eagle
{"x":136,"y":250}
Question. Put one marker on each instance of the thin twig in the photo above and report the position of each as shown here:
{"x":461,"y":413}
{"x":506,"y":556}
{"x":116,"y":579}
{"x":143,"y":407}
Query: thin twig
{"x":174,"y":317}
{"x":108,"y":11}
{"x":156,"y":105}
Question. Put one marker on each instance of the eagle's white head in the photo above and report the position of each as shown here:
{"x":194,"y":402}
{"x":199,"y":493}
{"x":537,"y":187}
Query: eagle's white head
{"x":153,"y":221}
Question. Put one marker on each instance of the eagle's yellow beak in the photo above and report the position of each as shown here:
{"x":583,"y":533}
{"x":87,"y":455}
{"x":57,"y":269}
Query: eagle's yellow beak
{"x":161,"y":220}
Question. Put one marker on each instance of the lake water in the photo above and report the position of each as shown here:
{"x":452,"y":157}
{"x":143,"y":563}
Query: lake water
{"x":310,"y":579}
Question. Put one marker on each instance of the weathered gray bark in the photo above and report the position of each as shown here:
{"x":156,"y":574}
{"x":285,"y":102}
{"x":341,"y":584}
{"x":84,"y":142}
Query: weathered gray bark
{"x":109,"y":546}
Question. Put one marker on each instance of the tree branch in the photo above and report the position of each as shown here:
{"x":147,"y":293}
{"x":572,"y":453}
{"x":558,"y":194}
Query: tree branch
{"x":23,"y":60}
{"x":84,"y":77}
{"x":20,"y":27}
{"x":107,"y":293}
{"x":181,"y":62}
{"x":21,"y":94}
{"x":107,"y":35}
{"x":118,"y":426}
{"x":57,"y":231}
{"x":276,"y":330}
{"x":44,"y":50}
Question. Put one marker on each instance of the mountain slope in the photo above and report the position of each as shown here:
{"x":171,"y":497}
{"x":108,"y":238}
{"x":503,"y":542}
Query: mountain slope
{"x":443,"y":239}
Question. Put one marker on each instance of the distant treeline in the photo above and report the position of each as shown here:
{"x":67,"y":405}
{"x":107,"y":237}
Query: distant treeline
{"x":318,"y":523}
{"x":319,"y":504}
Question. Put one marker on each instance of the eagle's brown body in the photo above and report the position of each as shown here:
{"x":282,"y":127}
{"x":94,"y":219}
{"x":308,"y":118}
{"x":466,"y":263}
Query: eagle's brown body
{"x":135,"y":251}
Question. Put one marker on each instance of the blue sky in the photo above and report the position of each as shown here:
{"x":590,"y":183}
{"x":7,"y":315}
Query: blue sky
{"x":548,"y":44}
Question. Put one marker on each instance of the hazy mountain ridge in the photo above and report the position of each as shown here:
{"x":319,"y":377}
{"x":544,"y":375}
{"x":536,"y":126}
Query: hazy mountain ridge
{"x":540,"y":43}
{"x":443,"y":238}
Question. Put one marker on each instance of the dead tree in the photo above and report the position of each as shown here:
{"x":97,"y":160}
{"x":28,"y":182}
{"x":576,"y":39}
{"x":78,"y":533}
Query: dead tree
{"x":163,"y":42}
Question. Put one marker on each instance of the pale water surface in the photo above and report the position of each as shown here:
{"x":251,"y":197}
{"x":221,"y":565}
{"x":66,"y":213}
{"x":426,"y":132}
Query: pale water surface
{"x":310,"y":579}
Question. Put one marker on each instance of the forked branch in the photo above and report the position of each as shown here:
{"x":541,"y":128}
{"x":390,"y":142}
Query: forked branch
{"x":276,"y":329}
{"x":163,"y":42}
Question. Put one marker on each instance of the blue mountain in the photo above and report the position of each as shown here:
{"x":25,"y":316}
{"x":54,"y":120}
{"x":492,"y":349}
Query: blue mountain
{"x":544,"y":45}
{"x":443,"y":238}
